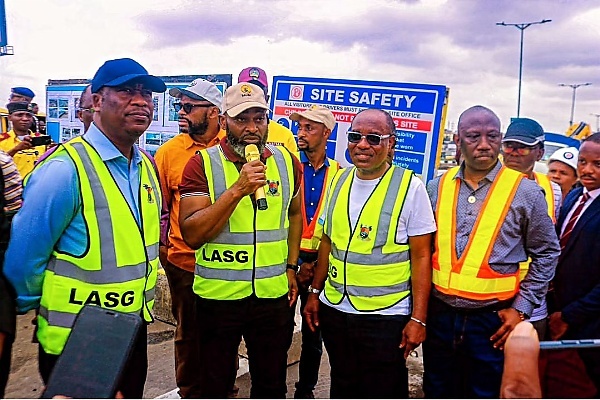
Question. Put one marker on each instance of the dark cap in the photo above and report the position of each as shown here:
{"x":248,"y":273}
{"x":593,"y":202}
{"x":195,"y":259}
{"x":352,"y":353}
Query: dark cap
{"x":123,"y":70}
{"x":17,"y":106}
{"x":23,"y":91}
{"x":525,"y":131}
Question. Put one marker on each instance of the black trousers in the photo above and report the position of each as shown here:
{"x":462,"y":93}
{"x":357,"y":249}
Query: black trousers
{"x":134,"y":375}
{"x":265,"y":325}
{"x":364,"y":354}
{"x":310,"y":356}
{"x":5,"y":363}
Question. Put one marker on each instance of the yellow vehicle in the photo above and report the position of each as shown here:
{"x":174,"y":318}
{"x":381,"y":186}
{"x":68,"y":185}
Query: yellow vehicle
{"x":579,"y":131}
{"x":3,"y":120}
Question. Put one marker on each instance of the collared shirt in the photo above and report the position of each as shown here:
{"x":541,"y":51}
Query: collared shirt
{"x":24,"y":159}
{"x":171,"y":159}
{"x":593,"y":194}
{"x":313,"y":185}
{"x":13,"y":184}
{"x":51,"y":216}
{"x":527,"y":230}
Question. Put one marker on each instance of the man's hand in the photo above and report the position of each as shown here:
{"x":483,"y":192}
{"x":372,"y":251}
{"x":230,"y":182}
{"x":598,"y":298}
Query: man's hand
{"x":292,"y":287}
{"x":162,"y":255}
{"x":520,"y":379}
{"x":510,"y":318}
{"x":311,"y":311}
{"x":413,"y":335}
{"x":305,"y":275}
{"x":252,"y":176}
{"x":22,"y":145}
{"x":557,"y":326}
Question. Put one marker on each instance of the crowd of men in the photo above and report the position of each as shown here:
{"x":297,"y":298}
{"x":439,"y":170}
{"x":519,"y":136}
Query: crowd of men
{"x":245,"y":221}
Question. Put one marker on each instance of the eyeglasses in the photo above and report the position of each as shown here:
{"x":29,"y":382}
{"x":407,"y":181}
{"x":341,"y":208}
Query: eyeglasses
{"x":372,"y":139}
{"x":188,"y":107}
{"x":520,"y":151}
{"x":90,"y":109}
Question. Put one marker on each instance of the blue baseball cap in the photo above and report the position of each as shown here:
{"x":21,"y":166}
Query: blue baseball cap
{"x":23,"y":91}
{"x":120,"y":71}
{"x":525,"y":131}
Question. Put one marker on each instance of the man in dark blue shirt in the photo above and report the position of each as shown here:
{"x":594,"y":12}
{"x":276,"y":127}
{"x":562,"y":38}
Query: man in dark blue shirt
{"x":314,"y":127}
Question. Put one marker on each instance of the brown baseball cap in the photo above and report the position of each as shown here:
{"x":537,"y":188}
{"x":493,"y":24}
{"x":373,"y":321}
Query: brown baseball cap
{"x":318,"y":114}
{"x":241,"y":97}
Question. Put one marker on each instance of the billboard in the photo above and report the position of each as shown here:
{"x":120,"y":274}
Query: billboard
{"x":417,"y":109}
{"x":3,"y":39}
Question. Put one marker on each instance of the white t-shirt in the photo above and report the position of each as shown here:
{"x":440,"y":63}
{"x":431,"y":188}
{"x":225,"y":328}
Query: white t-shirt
{"x":416,"y":218}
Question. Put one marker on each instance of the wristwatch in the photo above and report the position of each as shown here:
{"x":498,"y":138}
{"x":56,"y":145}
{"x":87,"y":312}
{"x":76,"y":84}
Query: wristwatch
{"x":293,"y":267}
{"x":313,"y":290}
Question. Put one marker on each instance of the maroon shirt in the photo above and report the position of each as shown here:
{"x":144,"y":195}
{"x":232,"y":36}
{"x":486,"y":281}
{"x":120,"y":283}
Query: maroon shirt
{"x":194,"y":182}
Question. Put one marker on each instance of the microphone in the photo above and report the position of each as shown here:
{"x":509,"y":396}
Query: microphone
{"x":251,"y":153}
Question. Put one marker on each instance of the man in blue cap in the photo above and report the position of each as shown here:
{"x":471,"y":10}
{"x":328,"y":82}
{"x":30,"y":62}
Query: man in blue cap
{"x":92,"y":236}
{"x":20,"y":93}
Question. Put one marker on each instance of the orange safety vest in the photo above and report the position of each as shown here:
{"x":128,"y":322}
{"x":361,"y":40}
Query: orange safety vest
{"x":312,"y":233}
{"x":471,"y":276}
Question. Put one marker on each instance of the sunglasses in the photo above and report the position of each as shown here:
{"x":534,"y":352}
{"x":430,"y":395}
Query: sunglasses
{"x":372,"y":139}
{"x":188,"y":107}
{"x":520,"y":151}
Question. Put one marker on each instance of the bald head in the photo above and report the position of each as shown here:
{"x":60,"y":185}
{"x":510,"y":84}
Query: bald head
{"x":86,"y":110}
{"x":477,"y":111}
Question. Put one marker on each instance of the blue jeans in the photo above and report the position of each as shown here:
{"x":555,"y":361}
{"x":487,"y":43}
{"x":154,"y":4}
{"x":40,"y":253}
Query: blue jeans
{"x":458,"y":356}
{"x":364,"y":356}
{"x":310,"y":357}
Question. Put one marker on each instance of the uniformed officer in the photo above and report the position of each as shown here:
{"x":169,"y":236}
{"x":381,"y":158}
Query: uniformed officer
{"x":245,"y":275}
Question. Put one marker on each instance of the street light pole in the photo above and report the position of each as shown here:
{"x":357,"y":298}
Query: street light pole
{"x":522,"y":26}
{"x":573,"y":86}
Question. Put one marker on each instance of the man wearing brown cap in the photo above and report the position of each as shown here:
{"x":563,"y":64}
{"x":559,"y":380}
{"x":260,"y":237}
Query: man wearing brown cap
{"x":245,"y":272}
{"x":278,"y":134}
{"x":314,"y":127}
{"x":198,"y":111}
{"x":17,"y":141}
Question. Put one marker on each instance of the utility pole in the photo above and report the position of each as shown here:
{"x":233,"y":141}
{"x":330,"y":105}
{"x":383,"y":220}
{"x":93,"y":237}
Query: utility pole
{"x":573,"y":86}
{"x":522,"y":26}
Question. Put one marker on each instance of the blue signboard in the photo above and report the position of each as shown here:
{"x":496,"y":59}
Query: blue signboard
{"x":3,"y":39}
{"x":417,"y":110}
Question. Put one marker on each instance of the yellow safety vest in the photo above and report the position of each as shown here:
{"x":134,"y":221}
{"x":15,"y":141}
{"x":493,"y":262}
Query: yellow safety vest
{"x":366,"y":264}
{"x":312,"y":233}
{"x":118,"y":270}
{"x":544,"y":182}
{"x":250,"y":254}
{"x":471,"y":276}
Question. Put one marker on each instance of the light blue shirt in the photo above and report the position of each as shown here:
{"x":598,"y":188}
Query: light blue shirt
{"x":51,"y":216}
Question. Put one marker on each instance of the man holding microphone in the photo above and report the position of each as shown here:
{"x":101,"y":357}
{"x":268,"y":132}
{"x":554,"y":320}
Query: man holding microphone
{"x":245,"y":273}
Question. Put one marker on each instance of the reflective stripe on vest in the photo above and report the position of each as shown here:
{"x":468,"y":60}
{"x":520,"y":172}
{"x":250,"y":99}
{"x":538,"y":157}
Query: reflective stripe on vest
{"x":366,"y":264}
{"x":471,"y":276}
{"x":544,"y":182}
{"x":118,"y":269}
{"x":311,"y":233}
{"x":249,"y":255}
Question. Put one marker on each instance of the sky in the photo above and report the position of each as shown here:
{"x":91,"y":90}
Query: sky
{"x":455,"y":43}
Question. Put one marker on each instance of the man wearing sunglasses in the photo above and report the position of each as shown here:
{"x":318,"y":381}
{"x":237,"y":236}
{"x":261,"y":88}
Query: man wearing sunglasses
{"x":197,"y":106}
{"x":522,"y":146}
{"x":371,"y":285}
{"x":489,"y":219}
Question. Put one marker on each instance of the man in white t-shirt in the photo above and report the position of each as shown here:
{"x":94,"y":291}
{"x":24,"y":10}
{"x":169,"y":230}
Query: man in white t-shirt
{"x":373,"y":277}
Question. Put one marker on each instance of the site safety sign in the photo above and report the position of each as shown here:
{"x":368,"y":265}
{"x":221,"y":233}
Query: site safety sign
{"x":418,"y":111}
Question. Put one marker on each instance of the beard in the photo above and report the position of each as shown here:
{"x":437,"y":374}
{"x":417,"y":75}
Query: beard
{"x":198,"y":128}
{"x":239,"y":147}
